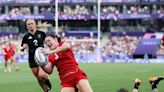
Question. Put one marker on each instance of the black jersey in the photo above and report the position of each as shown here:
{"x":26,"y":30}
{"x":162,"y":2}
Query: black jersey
{"x":34,"y":41}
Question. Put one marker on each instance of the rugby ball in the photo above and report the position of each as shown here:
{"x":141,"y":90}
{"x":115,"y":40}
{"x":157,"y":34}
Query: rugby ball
{"x":40,"y":58}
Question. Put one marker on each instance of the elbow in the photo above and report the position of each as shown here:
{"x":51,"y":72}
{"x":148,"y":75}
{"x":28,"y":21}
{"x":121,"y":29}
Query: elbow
{"x":49,"y":72}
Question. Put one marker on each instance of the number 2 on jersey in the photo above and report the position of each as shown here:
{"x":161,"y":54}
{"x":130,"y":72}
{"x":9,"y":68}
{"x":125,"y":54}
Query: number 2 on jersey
{"x":35,"y":42}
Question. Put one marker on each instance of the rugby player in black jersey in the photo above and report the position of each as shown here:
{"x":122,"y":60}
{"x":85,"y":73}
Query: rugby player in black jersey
{"x":32,"y":40}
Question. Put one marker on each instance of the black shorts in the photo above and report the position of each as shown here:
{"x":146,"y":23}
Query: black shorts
{"x":31,"y":61}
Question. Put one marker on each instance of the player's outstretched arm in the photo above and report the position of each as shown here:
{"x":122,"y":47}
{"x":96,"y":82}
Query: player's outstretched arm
{"x":64,"y":47}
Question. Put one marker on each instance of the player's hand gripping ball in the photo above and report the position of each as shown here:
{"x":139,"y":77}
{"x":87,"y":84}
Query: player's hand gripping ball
{"x":40,"y":58}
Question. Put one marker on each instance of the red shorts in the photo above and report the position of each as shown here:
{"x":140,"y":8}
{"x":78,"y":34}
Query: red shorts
{"x":7,"y":57}
{"x":73,"y":79}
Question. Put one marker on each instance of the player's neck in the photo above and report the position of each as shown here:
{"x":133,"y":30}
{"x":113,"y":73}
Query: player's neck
{"x":32,"y":32}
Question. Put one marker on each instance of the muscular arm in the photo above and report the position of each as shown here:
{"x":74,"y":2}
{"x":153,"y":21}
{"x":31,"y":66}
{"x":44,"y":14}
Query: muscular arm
{"x":62,"y":48}
{"x":48,"y":68}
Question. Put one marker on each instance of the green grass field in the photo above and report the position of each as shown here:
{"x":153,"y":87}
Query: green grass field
{"x":103,"y":77}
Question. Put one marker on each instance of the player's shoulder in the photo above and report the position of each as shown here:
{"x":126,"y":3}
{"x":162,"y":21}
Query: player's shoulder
{"x":41,"y":32}
{"x":26,"y":35}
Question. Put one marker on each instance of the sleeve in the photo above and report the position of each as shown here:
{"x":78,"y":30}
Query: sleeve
{"x":24,"y":40}
{"x":51,"y":58}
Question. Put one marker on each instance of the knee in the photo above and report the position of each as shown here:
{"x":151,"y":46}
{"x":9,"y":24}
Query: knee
{"x":38,"y":77}
{"x":8,"y":62}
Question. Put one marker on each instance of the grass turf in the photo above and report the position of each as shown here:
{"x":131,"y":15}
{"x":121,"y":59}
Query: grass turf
{"x":103,"y":77}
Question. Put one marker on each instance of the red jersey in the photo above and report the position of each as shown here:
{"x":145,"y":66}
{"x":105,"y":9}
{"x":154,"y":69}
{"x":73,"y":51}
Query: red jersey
{"x":64,"y":61}
{"x":7,"y":53}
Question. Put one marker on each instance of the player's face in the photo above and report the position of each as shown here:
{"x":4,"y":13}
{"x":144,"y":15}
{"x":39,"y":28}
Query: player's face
{"x":51,"y":42}
{"x":31,"y":25}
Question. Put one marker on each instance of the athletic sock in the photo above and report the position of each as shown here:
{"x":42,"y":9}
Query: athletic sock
{"x":159,"y":79}
{"x":154,"y":81}
{"x":9,"y":69}
{"x":137,"y":83}
{"x":48,"y":83}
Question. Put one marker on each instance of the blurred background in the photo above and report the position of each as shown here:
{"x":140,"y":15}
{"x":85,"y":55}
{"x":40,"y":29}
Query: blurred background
{"x":125,"y":25}
{"x":101,"y":31}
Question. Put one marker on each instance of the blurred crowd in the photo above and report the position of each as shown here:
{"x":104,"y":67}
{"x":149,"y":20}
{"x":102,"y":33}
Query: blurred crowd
{"x":82,"y":45}
{"x":74,"y":10}
{"x":112,"y":48}
{"x":7,"y":38}
{"x":20,"y":11}
{"x":118,"y":45}
{"x":48,"y":10}
{"x":132,"y":9}
{"x":27,"y":10}
{"x":83,"y":9}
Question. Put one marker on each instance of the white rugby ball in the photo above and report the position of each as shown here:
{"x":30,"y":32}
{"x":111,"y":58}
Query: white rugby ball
{"x":40,"y":58}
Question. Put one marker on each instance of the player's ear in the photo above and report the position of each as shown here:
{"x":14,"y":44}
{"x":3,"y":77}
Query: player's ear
{"x":56,"y":40}
{"x":54,"y":36}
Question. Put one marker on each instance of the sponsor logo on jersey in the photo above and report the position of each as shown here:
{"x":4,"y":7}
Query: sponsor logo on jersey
{"x":29,"y":37}
{"x":39,"y":35}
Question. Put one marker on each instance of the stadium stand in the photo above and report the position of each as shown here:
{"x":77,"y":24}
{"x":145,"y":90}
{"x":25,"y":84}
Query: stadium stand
{"x":78,"y":21}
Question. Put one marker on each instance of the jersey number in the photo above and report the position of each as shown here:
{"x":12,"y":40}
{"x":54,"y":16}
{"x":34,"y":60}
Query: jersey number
{"x":56,"y":56}
{"x":35,"y":42}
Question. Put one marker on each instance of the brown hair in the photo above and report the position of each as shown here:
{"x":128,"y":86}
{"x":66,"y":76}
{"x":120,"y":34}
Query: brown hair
{"x":55,"y":36}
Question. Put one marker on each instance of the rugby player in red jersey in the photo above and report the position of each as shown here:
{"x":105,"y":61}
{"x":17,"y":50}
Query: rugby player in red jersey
{"x":7,"y":58}
{"x":60,"y":55}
